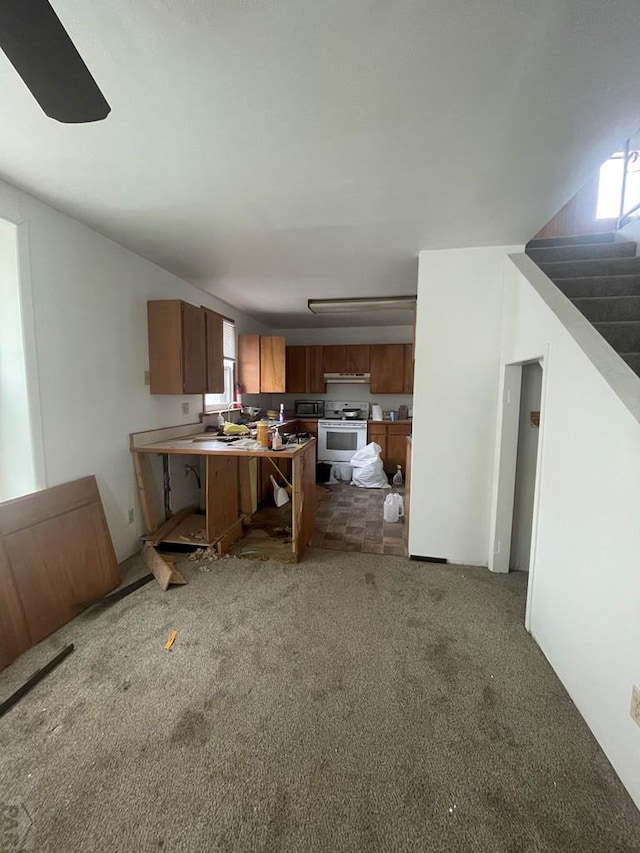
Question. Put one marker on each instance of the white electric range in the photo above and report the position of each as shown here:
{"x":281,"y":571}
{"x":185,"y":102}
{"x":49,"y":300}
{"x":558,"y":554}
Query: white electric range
{"x":342,"y":431}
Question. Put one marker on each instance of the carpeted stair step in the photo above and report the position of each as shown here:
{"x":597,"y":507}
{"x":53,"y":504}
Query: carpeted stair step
{"x":601,"y":309}
{"x":544,"y":242}
{"x":632,"y":359}
{"x":599,"y":285}
{"x":623,"y":336}
{"x":598,"y":266}
{"x":620,"y":249}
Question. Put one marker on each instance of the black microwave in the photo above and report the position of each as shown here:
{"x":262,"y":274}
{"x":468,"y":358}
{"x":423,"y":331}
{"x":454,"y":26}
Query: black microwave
{"x":309,"y":408}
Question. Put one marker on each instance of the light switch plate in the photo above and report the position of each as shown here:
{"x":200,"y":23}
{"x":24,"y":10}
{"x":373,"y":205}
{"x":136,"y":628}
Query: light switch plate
{"x":185,"y":408}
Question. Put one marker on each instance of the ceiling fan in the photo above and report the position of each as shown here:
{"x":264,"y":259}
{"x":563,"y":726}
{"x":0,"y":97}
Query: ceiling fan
{"x":40,"y":50}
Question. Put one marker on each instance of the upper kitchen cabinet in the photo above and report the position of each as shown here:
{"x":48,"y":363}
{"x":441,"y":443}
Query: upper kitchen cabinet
{"x":408,"y":369}
{"x":177,"y":347}
{"x":387,"y":368}
{"x":261,"y":364}
{"x":346,"y":358}
{"x":304,"y":370}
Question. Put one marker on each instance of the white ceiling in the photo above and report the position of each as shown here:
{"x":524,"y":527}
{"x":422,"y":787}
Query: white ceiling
{"x":275,"y":151}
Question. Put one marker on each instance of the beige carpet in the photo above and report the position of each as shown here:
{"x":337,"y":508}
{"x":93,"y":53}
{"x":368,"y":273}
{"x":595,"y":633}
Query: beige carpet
{"x":351,"y":703}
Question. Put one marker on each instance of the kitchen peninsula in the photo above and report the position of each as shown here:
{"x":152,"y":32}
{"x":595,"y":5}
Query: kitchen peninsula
{"x":229,"y":488}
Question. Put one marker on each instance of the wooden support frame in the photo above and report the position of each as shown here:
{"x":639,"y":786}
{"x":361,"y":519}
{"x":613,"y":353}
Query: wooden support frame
{"x":230,"y":488}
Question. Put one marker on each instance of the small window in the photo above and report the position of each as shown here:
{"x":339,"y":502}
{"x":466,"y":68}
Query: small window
{"x":610,"y":202}
{"x":213,"y":402}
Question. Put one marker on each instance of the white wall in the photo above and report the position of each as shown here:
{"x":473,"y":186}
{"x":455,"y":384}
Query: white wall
{"x":585,"y":584}
{"x":88,"y":299}
{"x":458,"y":329}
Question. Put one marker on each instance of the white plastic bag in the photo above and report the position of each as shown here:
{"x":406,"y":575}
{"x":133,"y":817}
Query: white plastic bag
{"x":368,"y":470}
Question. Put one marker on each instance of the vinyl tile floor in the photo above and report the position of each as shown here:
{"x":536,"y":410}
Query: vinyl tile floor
{"x":349,"y":518}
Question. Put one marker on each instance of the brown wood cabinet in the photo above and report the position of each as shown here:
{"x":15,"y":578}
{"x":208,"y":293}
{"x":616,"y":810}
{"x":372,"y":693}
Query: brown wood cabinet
{"x":408,"y":369}
{"x":346,"y":358}
{"x":261,"y":364}
{"x":377,"y":431}
{"x":391,"y":367}
{"x":387,"y":368}
{"x":308,"y":426}
{"x":392,"y":438}
{"x":396,"y":446}
{"x":304,"y":370}
{"x":177,"y":347}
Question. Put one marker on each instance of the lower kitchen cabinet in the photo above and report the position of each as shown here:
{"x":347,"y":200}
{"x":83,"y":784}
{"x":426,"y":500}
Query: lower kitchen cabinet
{"x":377,"y":431}
{"x":396,"y":446}
{"x":392,"y":438}
{"x":308,"y":426}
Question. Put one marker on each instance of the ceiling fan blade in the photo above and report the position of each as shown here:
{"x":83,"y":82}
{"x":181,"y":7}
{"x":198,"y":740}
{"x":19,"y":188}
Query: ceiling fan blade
{"x":39,"y":48}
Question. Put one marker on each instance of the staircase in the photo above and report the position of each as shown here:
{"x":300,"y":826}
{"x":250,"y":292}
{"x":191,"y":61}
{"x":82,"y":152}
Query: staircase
{"x":601,"y":276}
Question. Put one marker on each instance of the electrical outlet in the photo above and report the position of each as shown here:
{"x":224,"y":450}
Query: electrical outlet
{"x":147,"y":378}
{"x":132,"y":515}
{"x":185,"y":408}
{"x":635,"y":705}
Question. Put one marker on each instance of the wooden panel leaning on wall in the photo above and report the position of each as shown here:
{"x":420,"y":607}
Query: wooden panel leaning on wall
{"x":56,"y":554}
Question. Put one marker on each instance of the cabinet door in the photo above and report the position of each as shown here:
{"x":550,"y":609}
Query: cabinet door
{"x":396,"y":446}
{"x":387,"y":368}
{"x":316,"y":373}
{"x":296,"y":369}
{"x":357,"y":358}
{"x":408,"y":369}
{"x":308,"y":426}
{"x":334,"y":359}
{"x":377,"y":431}
{"x":193,"y":350}
{"x":249,"y":363}
{"x":164,"y":317}
{"x":272,"y":365}
{"x":215,"y":359}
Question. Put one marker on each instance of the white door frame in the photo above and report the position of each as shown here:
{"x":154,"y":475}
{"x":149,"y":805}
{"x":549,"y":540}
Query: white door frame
{"x":505,"y":471}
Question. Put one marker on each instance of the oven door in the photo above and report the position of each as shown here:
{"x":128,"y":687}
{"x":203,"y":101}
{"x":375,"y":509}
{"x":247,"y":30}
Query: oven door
{"x":339,"y":440}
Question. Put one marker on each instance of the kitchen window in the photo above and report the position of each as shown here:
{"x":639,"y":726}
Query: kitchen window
{"x":218,"y":402}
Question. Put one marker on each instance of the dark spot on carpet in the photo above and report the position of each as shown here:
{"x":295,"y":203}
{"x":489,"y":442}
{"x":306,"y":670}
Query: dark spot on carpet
{"x":437,"y":594}
{"x":126,"y":684}
{"x":370,"y":579}
{"x":191,"y":729}
{"x":488,"y":697}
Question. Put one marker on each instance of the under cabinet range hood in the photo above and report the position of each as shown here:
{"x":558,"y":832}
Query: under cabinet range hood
{"x":347,"y":378}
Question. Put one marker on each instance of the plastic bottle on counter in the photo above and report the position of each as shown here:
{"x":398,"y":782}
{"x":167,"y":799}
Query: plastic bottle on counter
{"x":281,"y":412}
{"x":263,"y":432}
{"x":276,"y":441}
{"x":397,"y":477}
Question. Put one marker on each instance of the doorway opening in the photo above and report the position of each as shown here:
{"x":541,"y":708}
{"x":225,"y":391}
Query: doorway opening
{"x":526,"y":463}
{"x":21,"y":466}
{"x":517,"y":480}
